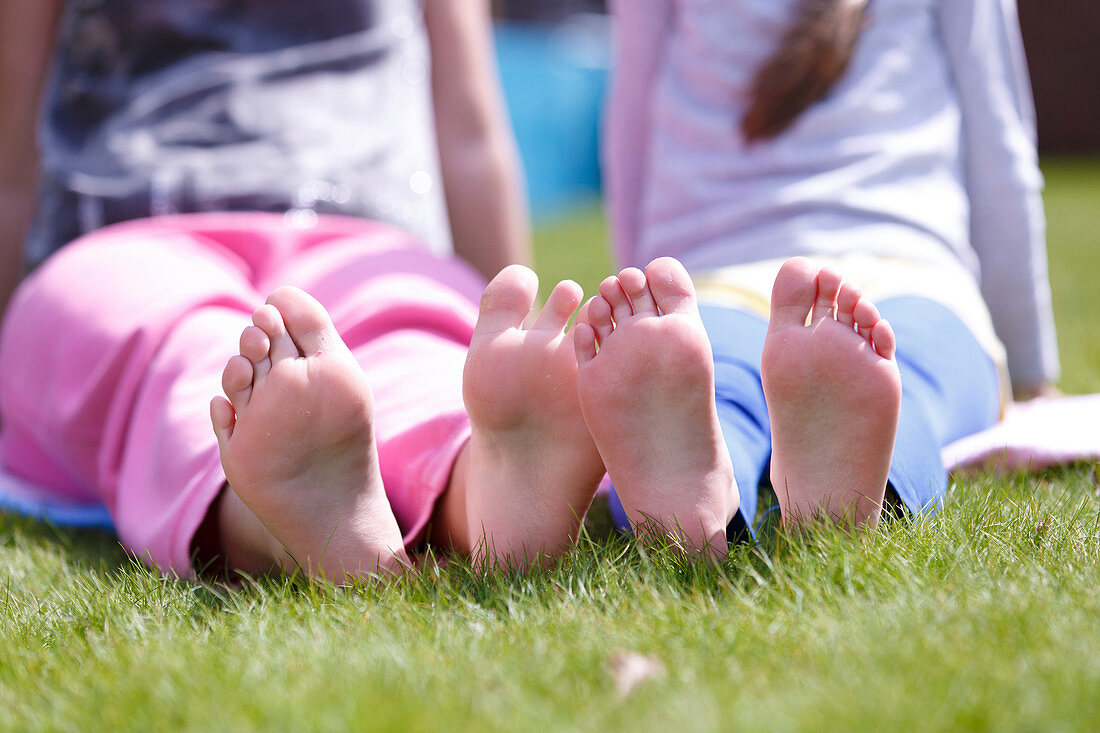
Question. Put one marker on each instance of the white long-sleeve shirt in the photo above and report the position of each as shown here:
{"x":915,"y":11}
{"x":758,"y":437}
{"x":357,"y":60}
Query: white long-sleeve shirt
{"x":924,"y":149}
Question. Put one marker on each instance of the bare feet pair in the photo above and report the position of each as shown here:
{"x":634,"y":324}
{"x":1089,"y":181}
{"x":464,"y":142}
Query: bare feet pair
{"x":646,"y":384}
{"x":834,"y":396}
{"x":297,"y":445}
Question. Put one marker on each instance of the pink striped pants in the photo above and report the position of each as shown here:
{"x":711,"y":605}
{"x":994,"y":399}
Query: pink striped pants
{"x":111,"y":351}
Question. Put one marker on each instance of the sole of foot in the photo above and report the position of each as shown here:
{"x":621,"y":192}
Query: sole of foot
{"x":833,"y":393}
{"x":296,"y":436}
{"x":530,"y":469}
{"x":646,"y":384}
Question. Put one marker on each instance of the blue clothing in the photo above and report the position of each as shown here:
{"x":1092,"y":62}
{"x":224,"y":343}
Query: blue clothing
{"x":950,"y":389}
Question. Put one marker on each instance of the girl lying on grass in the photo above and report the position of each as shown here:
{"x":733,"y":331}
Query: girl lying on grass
{"x":890,"y":140}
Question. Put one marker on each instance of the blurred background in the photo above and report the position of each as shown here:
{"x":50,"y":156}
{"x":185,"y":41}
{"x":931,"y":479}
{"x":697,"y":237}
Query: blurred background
{"x":554,"y":57}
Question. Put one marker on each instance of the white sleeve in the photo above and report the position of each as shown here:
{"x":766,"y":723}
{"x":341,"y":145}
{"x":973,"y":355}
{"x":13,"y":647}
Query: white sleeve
{"x":1007,"y":226}
{"x":641,"y":28}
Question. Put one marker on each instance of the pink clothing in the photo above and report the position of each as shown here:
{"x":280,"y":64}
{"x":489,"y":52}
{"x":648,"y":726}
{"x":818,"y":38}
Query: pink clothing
{"x":111,"y":351}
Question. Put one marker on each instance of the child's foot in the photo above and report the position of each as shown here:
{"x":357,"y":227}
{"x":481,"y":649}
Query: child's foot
{"x":833,"y":394}
{"x":530,"y":470}
{"x":297,"y":443}
{"x":648,"y":399}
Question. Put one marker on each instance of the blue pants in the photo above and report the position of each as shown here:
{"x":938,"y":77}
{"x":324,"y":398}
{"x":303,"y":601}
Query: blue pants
{"x":950,"y":389}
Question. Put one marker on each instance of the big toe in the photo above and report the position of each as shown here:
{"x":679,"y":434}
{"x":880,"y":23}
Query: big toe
{"x":671,"y":286}
{"x":793,"y":293}
{"x":508,"y":299}
{"x":307,"y":321}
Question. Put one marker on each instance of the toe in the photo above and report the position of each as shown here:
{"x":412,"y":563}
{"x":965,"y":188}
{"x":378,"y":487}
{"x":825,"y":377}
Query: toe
{"x":563,"y":300}
{"x":584,"y":343}
{"x":828,"y":287}
{"x":634,"y":283}
{"x":671,"y":286}
{"x":237,"y":381}
{"x":582,"y":313}
{"x":507,"y":299}
{"x":882,"y":337}
{"x":307,"y":321}
{"x":254,"y":344}
{"x":598,"y":314}
{"x":223,"y":419}
{"x":268,"y":318}
{"x":846,"y":303}
{"x":612,"y":291}
{"x":793,"y":293}
{"x":866,"y":315}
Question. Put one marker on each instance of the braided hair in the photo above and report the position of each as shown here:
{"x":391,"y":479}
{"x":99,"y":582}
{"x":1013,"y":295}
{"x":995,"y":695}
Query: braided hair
{"x":814,"y":52}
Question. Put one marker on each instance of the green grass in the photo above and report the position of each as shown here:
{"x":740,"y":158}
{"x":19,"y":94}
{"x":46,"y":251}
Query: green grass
{"x":1073,"y":233}
{"x":984,"y":616}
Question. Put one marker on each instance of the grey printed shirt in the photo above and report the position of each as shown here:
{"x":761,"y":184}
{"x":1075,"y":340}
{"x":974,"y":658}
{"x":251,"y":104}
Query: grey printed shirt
{"x":173,"y":106}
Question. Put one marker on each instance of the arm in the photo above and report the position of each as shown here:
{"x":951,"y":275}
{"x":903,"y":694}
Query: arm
{"x":478,"y":158}
{"x":641,"y":27}
{"x":985,"y":53}
{"x":26,"y":39}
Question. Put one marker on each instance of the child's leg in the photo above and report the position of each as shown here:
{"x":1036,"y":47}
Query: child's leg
{"x":524,"y":482}
{"x":297,"y":443}
{"x":648,"y":399}
{"x":109,"y":352}
{"x":407,"y":318}
{"x":825,"y":380}
{"x":950,"y":389}
{"x":833,"y":395}
{"x":737,"y":340}
{"x":117,"y":344}
{"x":345,"y":494}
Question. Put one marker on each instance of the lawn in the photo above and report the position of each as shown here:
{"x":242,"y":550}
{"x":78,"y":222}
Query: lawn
{"x":984,"y":616}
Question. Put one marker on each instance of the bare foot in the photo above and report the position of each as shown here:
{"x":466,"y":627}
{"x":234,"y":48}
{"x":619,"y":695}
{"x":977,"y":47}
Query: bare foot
{"x":522,"y":486}
{"x":648,"y":399}
{"x":833,"y":394}
{"x":297,"y":443}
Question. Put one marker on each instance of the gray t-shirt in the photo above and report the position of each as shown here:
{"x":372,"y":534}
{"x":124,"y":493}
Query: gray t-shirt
{"x":174,"y":106}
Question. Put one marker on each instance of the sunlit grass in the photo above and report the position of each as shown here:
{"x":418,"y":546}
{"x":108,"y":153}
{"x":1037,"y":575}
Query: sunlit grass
{"x":983,"y":616}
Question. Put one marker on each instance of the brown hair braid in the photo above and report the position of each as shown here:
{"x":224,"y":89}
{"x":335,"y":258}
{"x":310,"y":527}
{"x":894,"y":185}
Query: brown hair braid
{"x":813,"y":54}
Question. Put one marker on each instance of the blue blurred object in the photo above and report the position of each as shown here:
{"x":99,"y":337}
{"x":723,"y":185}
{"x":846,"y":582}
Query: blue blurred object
{"x":554,"y":79}
{"x":21,"y":497}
